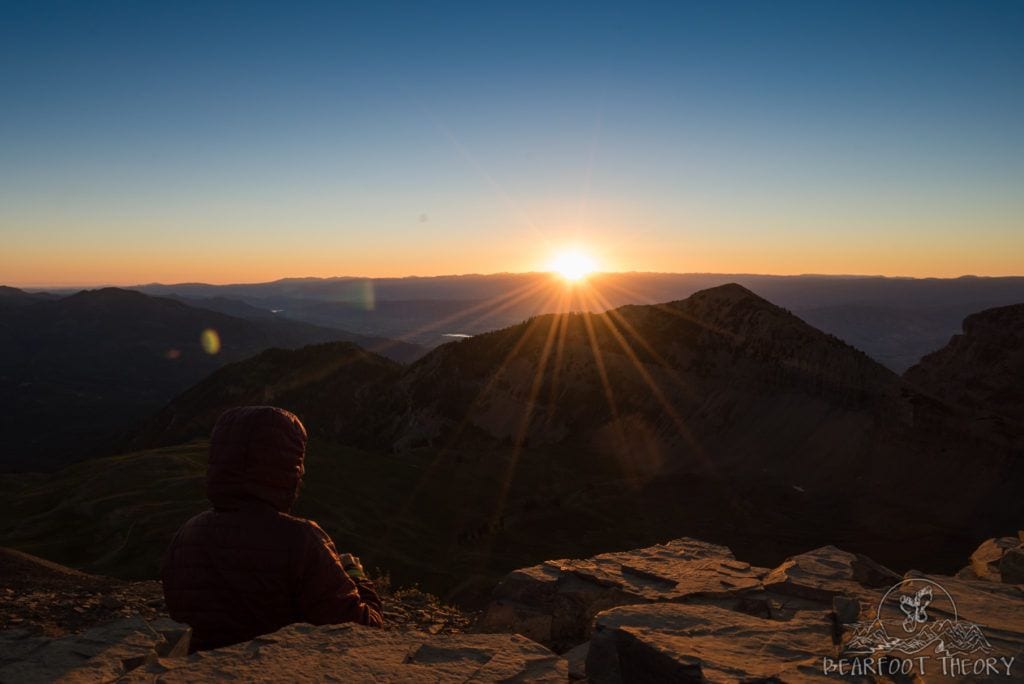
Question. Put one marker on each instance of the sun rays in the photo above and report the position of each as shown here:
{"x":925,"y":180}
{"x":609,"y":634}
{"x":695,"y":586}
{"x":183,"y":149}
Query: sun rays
{"x":582,"y":335}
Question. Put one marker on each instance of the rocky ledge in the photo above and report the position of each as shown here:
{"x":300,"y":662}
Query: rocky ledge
{"x":683,"y":611}
{"x":689,"y":611}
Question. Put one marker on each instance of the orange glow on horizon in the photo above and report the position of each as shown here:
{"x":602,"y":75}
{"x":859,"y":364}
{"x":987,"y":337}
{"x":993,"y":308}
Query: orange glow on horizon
{"x":94,"y":267}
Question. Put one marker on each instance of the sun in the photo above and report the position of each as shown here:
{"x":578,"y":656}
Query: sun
{"x":572,"y":265}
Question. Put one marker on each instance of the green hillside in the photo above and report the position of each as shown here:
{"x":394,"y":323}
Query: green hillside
{"x":452,"y":522}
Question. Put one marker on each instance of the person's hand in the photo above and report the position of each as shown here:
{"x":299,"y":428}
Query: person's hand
{"x":352,"y":565}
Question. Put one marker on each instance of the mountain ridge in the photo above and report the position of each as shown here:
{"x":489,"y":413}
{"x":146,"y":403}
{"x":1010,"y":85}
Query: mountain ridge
{"x":722,"y":416}
{"x":895,"y":320}
{"x":80,"y":369}
{"x":978,"y":369}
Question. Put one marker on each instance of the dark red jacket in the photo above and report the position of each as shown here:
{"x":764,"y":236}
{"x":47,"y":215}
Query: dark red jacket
{"x":246,"y":567}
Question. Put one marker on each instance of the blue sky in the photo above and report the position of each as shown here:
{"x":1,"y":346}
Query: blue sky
{"x":248,"y":141}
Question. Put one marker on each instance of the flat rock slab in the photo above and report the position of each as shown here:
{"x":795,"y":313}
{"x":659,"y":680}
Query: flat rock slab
{"x":352,"y":653}
{"x":556,"y":601}
{"x":827,"y":572}
{"x":700,"y":643}
{"x":667,"y":572}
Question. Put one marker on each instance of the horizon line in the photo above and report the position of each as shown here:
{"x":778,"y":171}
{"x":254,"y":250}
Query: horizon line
{"x":128,"y":286}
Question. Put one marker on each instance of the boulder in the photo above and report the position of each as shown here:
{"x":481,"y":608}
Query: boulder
{"x":555,"y":602}
{"x":103,"y":653}
{"x":353,"y":653}
{"x":822,"y":574}
{"x":985,"y":560}
{"x":697,"y":643}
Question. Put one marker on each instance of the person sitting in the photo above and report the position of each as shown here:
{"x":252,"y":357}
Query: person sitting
{"x":247,"y":567}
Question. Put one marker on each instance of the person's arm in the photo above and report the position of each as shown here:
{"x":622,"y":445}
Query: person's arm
{"x":326,"y":593}
{"x":368,"y":592}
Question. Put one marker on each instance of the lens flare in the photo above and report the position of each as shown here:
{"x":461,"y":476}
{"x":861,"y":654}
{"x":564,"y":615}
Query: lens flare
{"x":210,"y":341}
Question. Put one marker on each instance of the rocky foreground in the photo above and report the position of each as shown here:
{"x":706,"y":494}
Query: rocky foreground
{"x":683,"y":611}
{"x":689,"y":611}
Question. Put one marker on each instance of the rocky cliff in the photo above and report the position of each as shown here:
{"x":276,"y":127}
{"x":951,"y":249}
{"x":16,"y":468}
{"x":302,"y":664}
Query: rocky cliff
{"x":980,"y":369}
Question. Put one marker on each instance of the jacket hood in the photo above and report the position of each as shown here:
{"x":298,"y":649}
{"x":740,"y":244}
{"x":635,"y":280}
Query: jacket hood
{"x":256,"y":455}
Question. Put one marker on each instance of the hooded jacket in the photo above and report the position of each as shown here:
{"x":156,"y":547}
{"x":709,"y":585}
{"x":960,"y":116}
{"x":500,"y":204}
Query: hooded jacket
{"x":247,"y":567}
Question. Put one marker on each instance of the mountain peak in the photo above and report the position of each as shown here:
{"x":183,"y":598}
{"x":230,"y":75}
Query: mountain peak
{"x":731,"y":291}
{"x":729,"y":304}
{"x":108,"y":294}
{"x":741,"y":314}
{"x":119,"y":300}
{"x":12,"y":296}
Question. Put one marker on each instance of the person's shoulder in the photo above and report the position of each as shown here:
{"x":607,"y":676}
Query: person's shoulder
{"x":309,"y":536}
{"x":193,"y":530}
{"x":198,"y":520}
{"x":303,"y":525}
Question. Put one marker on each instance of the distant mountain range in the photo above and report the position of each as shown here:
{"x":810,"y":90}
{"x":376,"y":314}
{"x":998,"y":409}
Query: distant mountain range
{"x":721,"y":416}
{"x":894,"y":320}
{"x":76,"y":371}
{"x":11,"y":297}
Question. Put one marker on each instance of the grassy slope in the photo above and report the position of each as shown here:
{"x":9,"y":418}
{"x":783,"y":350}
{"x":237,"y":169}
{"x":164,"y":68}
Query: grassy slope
{"x":439,"y":521}
{"x":112,"y":515}
{"x":423,"y":519}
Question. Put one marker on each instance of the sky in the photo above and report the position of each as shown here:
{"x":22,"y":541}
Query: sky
{"x":241,"y":142}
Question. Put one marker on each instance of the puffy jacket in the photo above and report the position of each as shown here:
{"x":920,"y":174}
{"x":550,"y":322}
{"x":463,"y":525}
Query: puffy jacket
{"x":247,"y":567}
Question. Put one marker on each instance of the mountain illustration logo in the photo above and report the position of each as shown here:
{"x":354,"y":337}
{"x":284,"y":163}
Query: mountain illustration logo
{"x":914,"y":615}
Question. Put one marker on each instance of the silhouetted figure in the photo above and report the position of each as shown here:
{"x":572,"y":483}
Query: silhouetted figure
{"x":247,"y":567}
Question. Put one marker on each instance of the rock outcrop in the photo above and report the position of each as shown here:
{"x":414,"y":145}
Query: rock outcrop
{"x":682,"y":643}
{"x":555,"y":602}
{"x":689,"y":611}
{"x":102,"y":654}
{"x":1000,"y":559}
{"x":826,"y":573}
{"x":683,"y":611}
